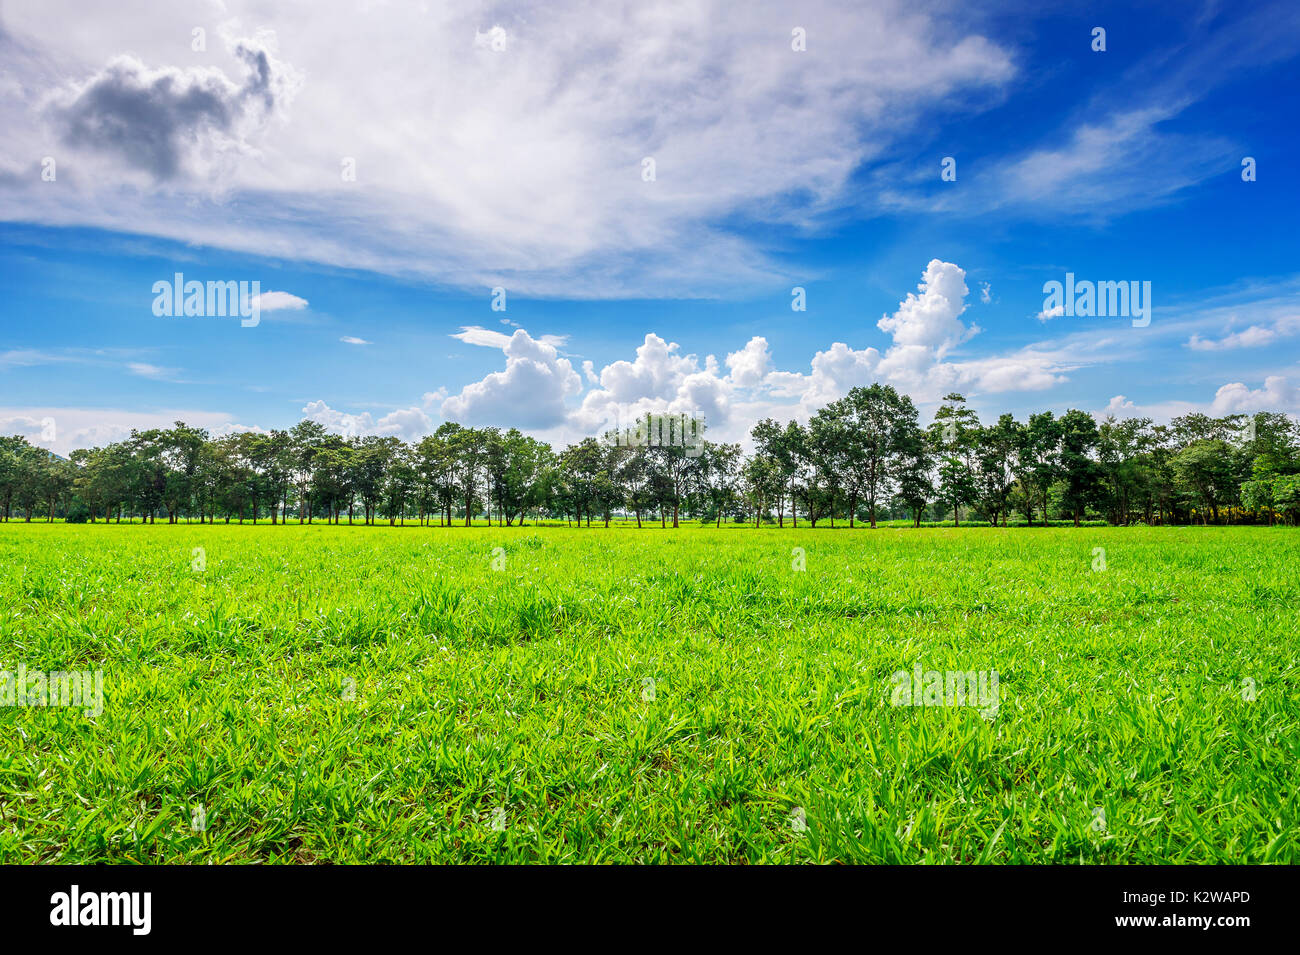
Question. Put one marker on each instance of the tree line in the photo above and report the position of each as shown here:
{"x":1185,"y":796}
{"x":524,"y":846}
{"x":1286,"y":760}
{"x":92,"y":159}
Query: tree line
{"x":861,"y":459}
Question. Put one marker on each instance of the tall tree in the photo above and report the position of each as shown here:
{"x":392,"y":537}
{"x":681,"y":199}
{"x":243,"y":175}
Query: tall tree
{"x":1079,"y":470}
{"x":954,"y":435}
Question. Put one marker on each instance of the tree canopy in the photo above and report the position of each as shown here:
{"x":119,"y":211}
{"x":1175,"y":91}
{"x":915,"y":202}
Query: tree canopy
{"x":862,"y":458}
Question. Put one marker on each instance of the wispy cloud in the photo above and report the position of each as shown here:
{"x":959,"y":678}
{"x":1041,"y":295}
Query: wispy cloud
{"x":487,"y":338}
{"x":156,"y":372}
{"x":537,"y":181}
{"x":1253,"y":336}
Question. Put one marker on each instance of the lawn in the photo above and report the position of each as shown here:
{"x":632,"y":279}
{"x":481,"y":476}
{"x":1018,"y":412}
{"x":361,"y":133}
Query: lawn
{"x":553,"y":694}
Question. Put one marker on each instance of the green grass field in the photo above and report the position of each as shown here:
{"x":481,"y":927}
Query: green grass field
{"x":350,"y":694}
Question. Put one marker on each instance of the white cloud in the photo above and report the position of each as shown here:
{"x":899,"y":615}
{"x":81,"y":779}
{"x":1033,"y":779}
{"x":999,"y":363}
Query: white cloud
{"x":659,"y":379}
{"x":29,"y":357}
{"x":539,"y":389}
{"x":409,"y":424}
{"x":836,"y":371}
{"x":750,"y":365}
{"x":35,"y":430}
{"x":353,"y":340}
{"x":95,"y":427}
{"x":930,"y":318}
{"x":1107,"y":162}
{"x":925,"y":329}
{"x":1047,"y":314}
{"x":1278,"y":394}
{"x":275,"y":301}
{"x":146,"y":370}
{"x":487,"y":338}
{"x":1120,"y":407}
{"x":657,"y":371}
{"x":1252,"y":337}
{"x":520,"y":168}
{"x":530,"y":392}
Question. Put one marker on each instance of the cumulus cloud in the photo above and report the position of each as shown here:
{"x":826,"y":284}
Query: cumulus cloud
{"x":750,"y":365}
{"x":929,"y":317}
{"x":925,"y":329}
{"x":1120,"y":407}
{"x":1047,"y":314}
{"x":409,"y":424}
{"x":39,"y":431}
{"x":537,"y":388}
{"x":530,"y":392}
{"x":1278,"y":394}
{"x":659,"y":379}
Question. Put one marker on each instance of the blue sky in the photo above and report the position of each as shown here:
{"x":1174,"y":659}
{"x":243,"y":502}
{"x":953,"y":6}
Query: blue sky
{"x":492,"y":149}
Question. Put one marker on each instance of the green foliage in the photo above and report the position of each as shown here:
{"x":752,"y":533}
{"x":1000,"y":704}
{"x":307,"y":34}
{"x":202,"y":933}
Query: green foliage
{"x":862,"y":457}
